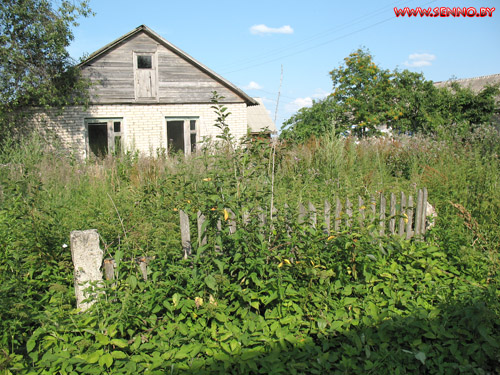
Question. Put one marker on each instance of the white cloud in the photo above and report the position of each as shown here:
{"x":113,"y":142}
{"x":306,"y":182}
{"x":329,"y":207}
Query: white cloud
{"x":252,"y":86}
{"x":320,"y":94}
{"x":263,"y":29}
{"x":299,"y":103}
{"x":416,"y":60}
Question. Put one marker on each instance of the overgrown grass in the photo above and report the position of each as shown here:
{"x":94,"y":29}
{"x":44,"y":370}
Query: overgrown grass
{"x":293,"y":300}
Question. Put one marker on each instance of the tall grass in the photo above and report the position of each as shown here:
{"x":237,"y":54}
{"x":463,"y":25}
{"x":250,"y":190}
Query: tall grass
{"x":133,"y":201}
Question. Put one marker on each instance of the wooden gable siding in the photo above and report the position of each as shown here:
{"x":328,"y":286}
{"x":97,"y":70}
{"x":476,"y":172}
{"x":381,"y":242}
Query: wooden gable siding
{"x":179,"y":81}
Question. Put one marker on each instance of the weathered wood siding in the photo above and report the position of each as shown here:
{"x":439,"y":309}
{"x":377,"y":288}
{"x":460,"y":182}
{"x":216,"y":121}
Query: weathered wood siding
{"x":179,"y":81}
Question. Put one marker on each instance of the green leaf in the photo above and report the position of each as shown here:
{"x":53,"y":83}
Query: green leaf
{"x":132,"y":281}
{"x":102,"y":339}
{"x":221,"y":317}
{"x":175,"y":299}
{"x":30,"y":344}
{"x":119,"y":343}
{"x":117,"y":354}
{"x":94,"y":357}
{"x":211,"y":282}
{"x":421,"y":357}
{"x":106,"y":360}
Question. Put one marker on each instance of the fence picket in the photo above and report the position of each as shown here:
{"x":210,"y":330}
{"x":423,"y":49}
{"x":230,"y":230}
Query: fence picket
{"x":338,"y":214}
{"x":418,"y":213}
{"x":402,"y":213}
{"x":423,"y":224}
{"x":185,"y":234}
{"x":348,"y":210}
{"x":302,"y":214}
{"x":313,"y":217}
{"x":361,"y":208}
{"x":202,"y":235}
{"x":328,"y":207}
{"x":382,"y":214}
{"x":409,"y":216}
{"x":392,"y":220}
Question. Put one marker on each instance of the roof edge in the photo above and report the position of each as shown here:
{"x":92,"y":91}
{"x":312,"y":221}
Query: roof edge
{"x":250,"y":101}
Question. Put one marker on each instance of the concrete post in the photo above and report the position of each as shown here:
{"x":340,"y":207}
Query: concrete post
{"x":87,"y":260}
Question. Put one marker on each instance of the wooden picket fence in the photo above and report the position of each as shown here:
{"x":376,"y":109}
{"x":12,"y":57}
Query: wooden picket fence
{"x":403,"y":218}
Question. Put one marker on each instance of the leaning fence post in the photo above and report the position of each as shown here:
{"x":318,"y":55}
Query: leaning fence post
{"x":202,"y":235}
{"x":185,"y":235}
{"x":87,"y":261}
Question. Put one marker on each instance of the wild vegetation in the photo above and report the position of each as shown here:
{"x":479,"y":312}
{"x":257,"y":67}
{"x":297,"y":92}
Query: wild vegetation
{"x":286,"y":300}
{"x":280,"y":299}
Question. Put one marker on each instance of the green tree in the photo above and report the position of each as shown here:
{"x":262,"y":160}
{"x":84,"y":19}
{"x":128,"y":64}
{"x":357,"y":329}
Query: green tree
{"x":311,"y":121}
{"x":363,"y":93}
{"x":35,"y":66}
{"x":365,"y":96}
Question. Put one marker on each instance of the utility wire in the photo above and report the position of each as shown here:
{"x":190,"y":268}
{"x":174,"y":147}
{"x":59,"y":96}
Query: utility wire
{"x":314,"y":46}
{"x":319,"y":35}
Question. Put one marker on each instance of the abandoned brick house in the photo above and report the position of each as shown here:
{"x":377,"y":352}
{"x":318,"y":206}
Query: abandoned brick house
{"x":146,"y":95}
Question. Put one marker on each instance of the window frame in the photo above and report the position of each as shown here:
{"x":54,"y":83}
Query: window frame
{"x":188,"y":133}
{"x":112,"y":135}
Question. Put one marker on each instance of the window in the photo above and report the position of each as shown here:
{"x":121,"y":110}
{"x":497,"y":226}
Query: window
{"x":144,"y":62}
{"x":182,"y":134}
{"x":104,"y":136}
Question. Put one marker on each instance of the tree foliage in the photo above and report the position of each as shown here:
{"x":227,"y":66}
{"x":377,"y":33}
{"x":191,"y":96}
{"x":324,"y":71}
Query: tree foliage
{"x":35,"y":66}
{"x":365,"y":96}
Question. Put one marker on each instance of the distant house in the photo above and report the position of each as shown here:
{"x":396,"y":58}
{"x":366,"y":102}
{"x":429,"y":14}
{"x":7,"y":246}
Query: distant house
{"x":477,"y":84}
{"x":149,"y":95}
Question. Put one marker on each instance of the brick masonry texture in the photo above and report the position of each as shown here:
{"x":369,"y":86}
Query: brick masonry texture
{"x":143,"y":125}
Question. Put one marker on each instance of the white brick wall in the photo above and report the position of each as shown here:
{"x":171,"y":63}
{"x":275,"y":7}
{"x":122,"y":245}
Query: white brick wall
{"x":143,"y":127}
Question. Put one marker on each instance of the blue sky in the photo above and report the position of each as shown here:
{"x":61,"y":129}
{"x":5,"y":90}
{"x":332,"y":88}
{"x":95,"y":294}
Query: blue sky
{"x":248,"y":42}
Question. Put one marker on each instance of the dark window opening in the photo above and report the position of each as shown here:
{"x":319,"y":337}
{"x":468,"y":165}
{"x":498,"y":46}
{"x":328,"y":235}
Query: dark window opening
{"x":144,"y":62}
{"x":98,"y":139}
{"x":117,"y":126}
{"x":175,"y":136}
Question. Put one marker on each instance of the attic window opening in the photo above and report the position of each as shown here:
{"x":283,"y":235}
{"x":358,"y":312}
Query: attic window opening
{"x":144,"y":62}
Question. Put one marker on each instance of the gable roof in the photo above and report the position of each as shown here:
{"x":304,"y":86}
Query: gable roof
{"x":476,"y":84}
{"x":143,"y":28}
{"x":259,"y":120}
